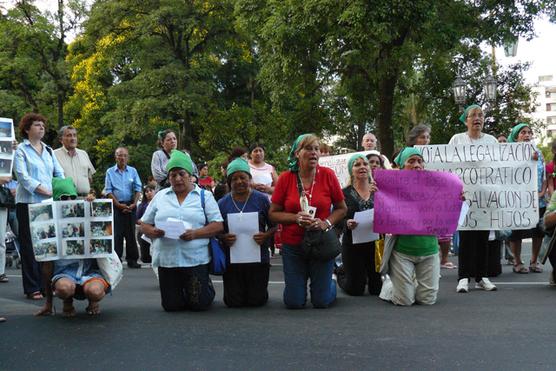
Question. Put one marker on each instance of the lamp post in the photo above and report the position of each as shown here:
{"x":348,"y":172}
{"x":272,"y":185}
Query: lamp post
{"x":510,"y":48}
{"x":490,"y":88}
{"x":458,"y":88}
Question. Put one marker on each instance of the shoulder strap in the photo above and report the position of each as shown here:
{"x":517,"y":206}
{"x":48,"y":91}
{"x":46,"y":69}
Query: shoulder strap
{"x":203,"y":204}
{"x":299,"y":184}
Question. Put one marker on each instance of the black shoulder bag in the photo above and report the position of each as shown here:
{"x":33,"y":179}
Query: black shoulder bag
{"x":318,"y":244}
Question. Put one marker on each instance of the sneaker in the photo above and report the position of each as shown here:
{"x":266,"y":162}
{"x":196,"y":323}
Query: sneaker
{"x":485,"y":284}
{"x":3,"y":278}
{"x":463,"y":285}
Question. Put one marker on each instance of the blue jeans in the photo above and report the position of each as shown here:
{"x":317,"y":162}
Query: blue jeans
{"x":297,"y":269}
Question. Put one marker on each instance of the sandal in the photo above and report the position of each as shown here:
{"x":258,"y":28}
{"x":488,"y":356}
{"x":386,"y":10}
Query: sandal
{"x":68,"y":310}
{"x":535,"y":267}
{"x":521,"y":269}
{"x":93,"y":308}
{"x":34,"y":296}
{"x":448,"y":265}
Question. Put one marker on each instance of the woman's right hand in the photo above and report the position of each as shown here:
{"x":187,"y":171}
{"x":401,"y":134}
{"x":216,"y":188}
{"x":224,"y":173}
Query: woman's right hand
{"x":303,"y":219}
{"x":351,"y":224}
{"x":151,"y":231}
{"x":229,"y":239}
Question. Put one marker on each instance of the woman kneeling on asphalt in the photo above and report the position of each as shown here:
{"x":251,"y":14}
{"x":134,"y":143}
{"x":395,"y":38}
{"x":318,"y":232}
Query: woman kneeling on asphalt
{"x":411,"y":261}
{"x":72,"y":278}
{"x":182,"y":263}
{"x":245,"y":284}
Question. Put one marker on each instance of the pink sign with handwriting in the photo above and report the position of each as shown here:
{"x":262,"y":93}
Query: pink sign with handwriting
{"x":417,"y":202}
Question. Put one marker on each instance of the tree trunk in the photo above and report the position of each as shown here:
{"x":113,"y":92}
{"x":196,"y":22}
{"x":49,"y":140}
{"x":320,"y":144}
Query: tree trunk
{"x":361,"y":129}
{"x":60,"y":103}
{"x":387,"y":86}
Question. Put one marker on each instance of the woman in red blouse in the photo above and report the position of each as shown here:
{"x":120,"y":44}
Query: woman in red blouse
{"x":320,"y":206}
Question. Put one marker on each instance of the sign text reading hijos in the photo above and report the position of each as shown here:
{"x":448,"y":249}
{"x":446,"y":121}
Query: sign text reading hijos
{"x":500,"y":182}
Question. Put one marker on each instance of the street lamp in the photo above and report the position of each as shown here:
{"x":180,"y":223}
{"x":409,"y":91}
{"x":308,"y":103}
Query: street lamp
{"x":459,"y":91}
{"x":490,"y":88}
{"x":510,"y":48}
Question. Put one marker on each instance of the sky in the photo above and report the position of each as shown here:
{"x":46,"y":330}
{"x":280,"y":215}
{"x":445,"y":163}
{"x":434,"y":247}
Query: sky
{"x":541,"y":51}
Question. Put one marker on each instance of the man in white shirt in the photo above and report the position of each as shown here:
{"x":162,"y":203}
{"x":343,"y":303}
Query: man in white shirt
{"x":74,"y":161}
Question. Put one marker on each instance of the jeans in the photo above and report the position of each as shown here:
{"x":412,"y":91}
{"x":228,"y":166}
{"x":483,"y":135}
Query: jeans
{"x":297,"y":270}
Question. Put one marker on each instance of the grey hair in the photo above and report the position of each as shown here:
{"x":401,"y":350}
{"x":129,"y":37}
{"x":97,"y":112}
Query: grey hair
{"x":64,"y":128}
{"x":415,"y":132}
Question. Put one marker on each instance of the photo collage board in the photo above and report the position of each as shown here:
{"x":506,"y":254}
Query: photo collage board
{"x":7,"y":137}
{"x":72,"y":229}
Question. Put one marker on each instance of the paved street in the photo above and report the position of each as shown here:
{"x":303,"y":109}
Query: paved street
{"x":505,"y":330}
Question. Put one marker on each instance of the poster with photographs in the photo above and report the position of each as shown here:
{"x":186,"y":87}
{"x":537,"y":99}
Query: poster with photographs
{"x":74,"y":229}
{"x":7,"y":138}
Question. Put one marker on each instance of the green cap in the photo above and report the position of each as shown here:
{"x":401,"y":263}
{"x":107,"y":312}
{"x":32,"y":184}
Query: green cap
{"x":515,"y":132}
{"x":463,"y":116}
{"x":181,"y":160}
{"x":239,"y":164}
{"x":293,"y":163}
{"x":354,"y":158}
{"x":406,"y":153}
{"x":63,"y":187}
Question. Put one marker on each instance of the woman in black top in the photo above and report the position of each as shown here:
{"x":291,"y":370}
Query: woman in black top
{"x":358,"y":259}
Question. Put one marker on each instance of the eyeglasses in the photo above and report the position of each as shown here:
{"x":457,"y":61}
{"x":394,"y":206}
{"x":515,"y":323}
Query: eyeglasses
{"x":67,"y":197}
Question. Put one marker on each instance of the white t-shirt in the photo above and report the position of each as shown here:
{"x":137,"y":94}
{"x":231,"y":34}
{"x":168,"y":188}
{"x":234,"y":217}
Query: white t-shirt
{"x":464,"y":138}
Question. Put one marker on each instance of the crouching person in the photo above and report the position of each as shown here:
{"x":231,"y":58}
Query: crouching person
{"x":411,"y":261}
{"x":72,"y":278}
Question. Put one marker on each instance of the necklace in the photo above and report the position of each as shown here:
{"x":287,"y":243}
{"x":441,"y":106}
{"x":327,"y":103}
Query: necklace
{"x":306,"y":197}
{"x":245,"y":204}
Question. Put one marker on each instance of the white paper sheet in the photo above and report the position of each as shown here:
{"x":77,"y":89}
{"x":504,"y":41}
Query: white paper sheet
{"x":364,"y":230}
{"x":244,"y":226}
{"x":463,"y":213}
{"x":172,"y":228}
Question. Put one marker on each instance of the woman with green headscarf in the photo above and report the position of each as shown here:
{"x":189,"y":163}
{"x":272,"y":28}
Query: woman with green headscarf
{"x":358,"y":268}
{"x":473,"y":246}
{"x":523,"y":133}
{"x":411,"y":261}
{"x":245,"y":279}
{"x":307,"y":197}
{"x":182,"y":261}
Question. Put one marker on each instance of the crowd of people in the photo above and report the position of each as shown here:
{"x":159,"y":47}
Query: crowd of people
{"x":304,"y":200}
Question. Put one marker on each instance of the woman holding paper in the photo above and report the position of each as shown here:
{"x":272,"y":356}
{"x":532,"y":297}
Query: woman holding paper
{"x":247,"y":272}
{"x":182,"y":262}
{"x":358,"y":256}
{"x":35,"y":165}
{"x":319,"y":206}
{"x":473,"y":246}
{"x":523,"y":133}
{"x":412,"y":262}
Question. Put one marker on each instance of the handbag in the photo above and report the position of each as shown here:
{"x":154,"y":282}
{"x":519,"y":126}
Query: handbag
{"x":6,"y":198}
{"x":217,"y":265}
{"x":111,"y":269}
{"x":379,"y":253}
{"x":319,"y":244}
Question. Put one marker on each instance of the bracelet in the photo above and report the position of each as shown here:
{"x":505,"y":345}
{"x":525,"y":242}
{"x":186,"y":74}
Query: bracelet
{"x":329,"y":224}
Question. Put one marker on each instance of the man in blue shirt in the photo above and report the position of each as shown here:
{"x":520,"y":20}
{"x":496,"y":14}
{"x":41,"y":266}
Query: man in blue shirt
{"x":123,"y":186}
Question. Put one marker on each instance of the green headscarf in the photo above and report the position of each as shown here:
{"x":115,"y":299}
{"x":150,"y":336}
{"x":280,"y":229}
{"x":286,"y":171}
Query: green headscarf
{"x":239,"y":164}
{"x":63,"y":187}
{"x":463,"y":116}
{"x":352,"y":160}
{"x":293,"y":163}
{"x":515,"y":132}
{"x":406,"y":153}
{"x":181,"y":160}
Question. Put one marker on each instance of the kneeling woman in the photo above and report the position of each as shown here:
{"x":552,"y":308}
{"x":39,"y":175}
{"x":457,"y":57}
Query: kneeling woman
{"x":245,"y":284}
{"x":414,"y":266}
{"x":183,"y":263}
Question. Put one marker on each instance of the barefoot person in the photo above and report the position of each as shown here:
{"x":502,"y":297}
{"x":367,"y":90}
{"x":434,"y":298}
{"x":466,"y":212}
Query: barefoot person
{"x":72,"y":278}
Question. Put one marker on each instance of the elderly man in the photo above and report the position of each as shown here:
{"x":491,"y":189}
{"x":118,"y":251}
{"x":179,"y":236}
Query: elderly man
{"x":75,"y":161}
{"x":369,"y":142}
{"x":123,"y":186}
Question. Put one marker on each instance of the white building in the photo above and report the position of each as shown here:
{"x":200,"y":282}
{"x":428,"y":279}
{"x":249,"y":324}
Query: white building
{"x":545,"y":101}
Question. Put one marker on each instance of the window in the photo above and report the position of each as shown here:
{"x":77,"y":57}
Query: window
{"x":548,"y":107}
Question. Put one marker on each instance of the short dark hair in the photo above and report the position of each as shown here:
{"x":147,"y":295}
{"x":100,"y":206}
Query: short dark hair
{"x":26,"y":122}
{"x":256,"y":145}
{"x":237,"y":152}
